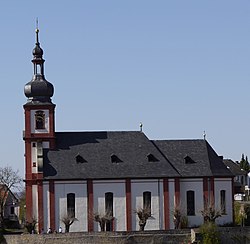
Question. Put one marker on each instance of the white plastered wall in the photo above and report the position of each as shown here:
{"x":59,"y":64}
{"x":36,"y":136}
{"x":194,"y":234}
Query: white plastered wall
{"x":34,"y":156}
{"x":33,"y":145}
{"x":195,"y":185}
{"x":223,"y":184}
{"x":79,"y":188}
{"x":46,"y":206}
{"x":117,"y":187}
{"x":137,"y":189}
{"x":35,"y":202}
{"x":32,"y":121}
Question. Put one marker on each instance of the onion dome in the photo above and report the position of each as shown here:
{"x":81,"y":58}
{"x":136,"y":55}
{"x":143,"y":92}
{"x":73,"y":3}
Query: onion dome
{"x":38,"y":89}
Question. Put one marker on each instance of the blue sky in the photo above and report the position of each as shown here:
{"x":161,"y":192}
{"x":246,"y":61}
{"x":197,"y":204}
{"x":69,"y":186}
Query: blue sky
{"x":179,"y":67}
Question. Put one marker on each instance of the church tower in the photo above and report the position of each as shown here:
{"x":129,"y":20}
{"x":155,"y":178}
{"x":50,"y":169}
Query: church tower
{"x":39,"y":133}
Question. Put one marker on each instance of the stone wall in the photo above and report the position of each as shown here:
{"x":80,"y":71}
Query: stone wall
{"x":229,"y":235}
{"x":232,"y":235}
{"x":158,"y":237}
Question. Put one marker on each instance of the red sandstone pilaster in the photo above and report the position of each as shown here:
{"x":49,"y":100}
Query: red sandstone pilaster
{"x":128,"y":205}
{"x":90,"y":205}
{"x":166,"y":203}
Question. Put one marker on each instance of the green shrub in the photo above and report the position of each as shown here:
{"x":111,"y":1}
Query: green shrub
{"x":184,"y":222}
{"x":239,"y":213}
{"x":210,"y":234}
{"x":237,"y":216}
{"x":247,"y":212}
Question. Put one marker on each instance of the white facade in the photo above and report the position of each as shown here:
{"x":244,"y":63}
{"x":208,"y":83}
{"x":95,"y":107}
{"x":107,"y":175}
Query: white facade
{"x":195,"y":185}
{"x":46,"y":206}
{"x":80,"y":191}
{"x":35,"y":202}
{"x":36,"y":151}
{"x":137,"y":189}
{"x":224,"y":184}
{"x":118,"y":189}
{"x":61,"y":190}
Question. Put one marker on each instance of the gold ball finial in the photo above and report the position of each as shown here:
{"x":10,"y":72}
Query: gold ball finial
{"x":37,"y":30}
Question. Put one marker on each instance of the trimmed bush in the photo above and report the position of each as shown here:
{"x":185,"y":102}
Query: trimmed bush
{"x":210,"y":233}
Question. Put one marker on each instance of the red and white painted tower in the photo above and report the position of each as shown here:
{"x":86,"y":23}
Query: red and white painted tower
{"x":39,"y":133}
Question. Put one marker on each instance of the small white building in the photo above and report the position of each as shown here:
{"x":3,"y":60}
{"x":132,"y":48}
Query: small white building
{"x":114,"y":172}
{"x":240,"y":179}
{"x":11,"y":204}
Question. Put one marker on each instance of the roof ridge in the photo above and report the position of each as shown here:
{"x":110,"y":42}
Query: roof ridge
{"x":179,"y":140}
{"x":98,"y":131}
{"x":165,"y":157}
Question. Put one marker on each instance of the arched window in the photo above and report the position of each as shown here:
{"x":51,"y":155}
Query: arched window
{"x":40,"y":120}
{"x":71,"y":204}
{"x":190,"y":203}
{"x":109,"y":209}
{"x":223,"y":201}
{"x":147,"y":201}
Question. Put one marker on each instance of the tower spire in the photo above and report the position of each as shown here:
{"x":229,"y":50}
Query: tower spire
{"x":38,"y":60}
{"x":37,"y":31}
{"x":38,"y":89}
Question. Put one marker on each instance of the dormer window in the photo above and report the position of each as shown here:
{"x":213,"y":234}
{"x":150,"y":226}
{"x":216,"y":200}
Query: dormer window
{"x":80,"y":159}
{"x":40,"y":120}
{"x":188,"y":160}
{"x":115,"y":159}
{"x":152,"y":158}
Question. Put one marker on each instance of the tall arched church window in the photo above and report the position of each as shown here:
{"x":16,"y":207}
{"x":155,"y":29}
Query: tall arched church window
{"x":190,"y":203}
{"x":109,"y":210}
{"x":40,"y":120}
{"x":223,"y":201}
{"x":71,"y":204}
{"x":147,"y":201}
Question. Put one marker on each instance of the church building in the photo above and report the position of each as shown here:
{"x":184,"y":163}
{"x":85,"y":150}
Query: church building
{"x":114,"y":172}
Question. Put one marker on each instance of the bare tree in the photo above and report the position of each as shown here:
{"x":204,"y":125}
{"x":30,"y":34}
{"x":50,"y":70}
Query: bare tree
{"x":143,"y":215}
{"x":103,"y":219}
{"x":30,"y":225}
{"x":68,"y":219}
{"x":177,"y":218}
{"x":210,"y":213}
{"x":9,"y":180}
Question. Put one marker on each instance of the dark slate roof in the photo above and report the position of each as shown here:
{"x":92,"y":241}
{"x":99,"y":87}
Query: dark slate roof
{"x":89,"y":155}
{"x":193,"y":158}
{"x":234,"y":167}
